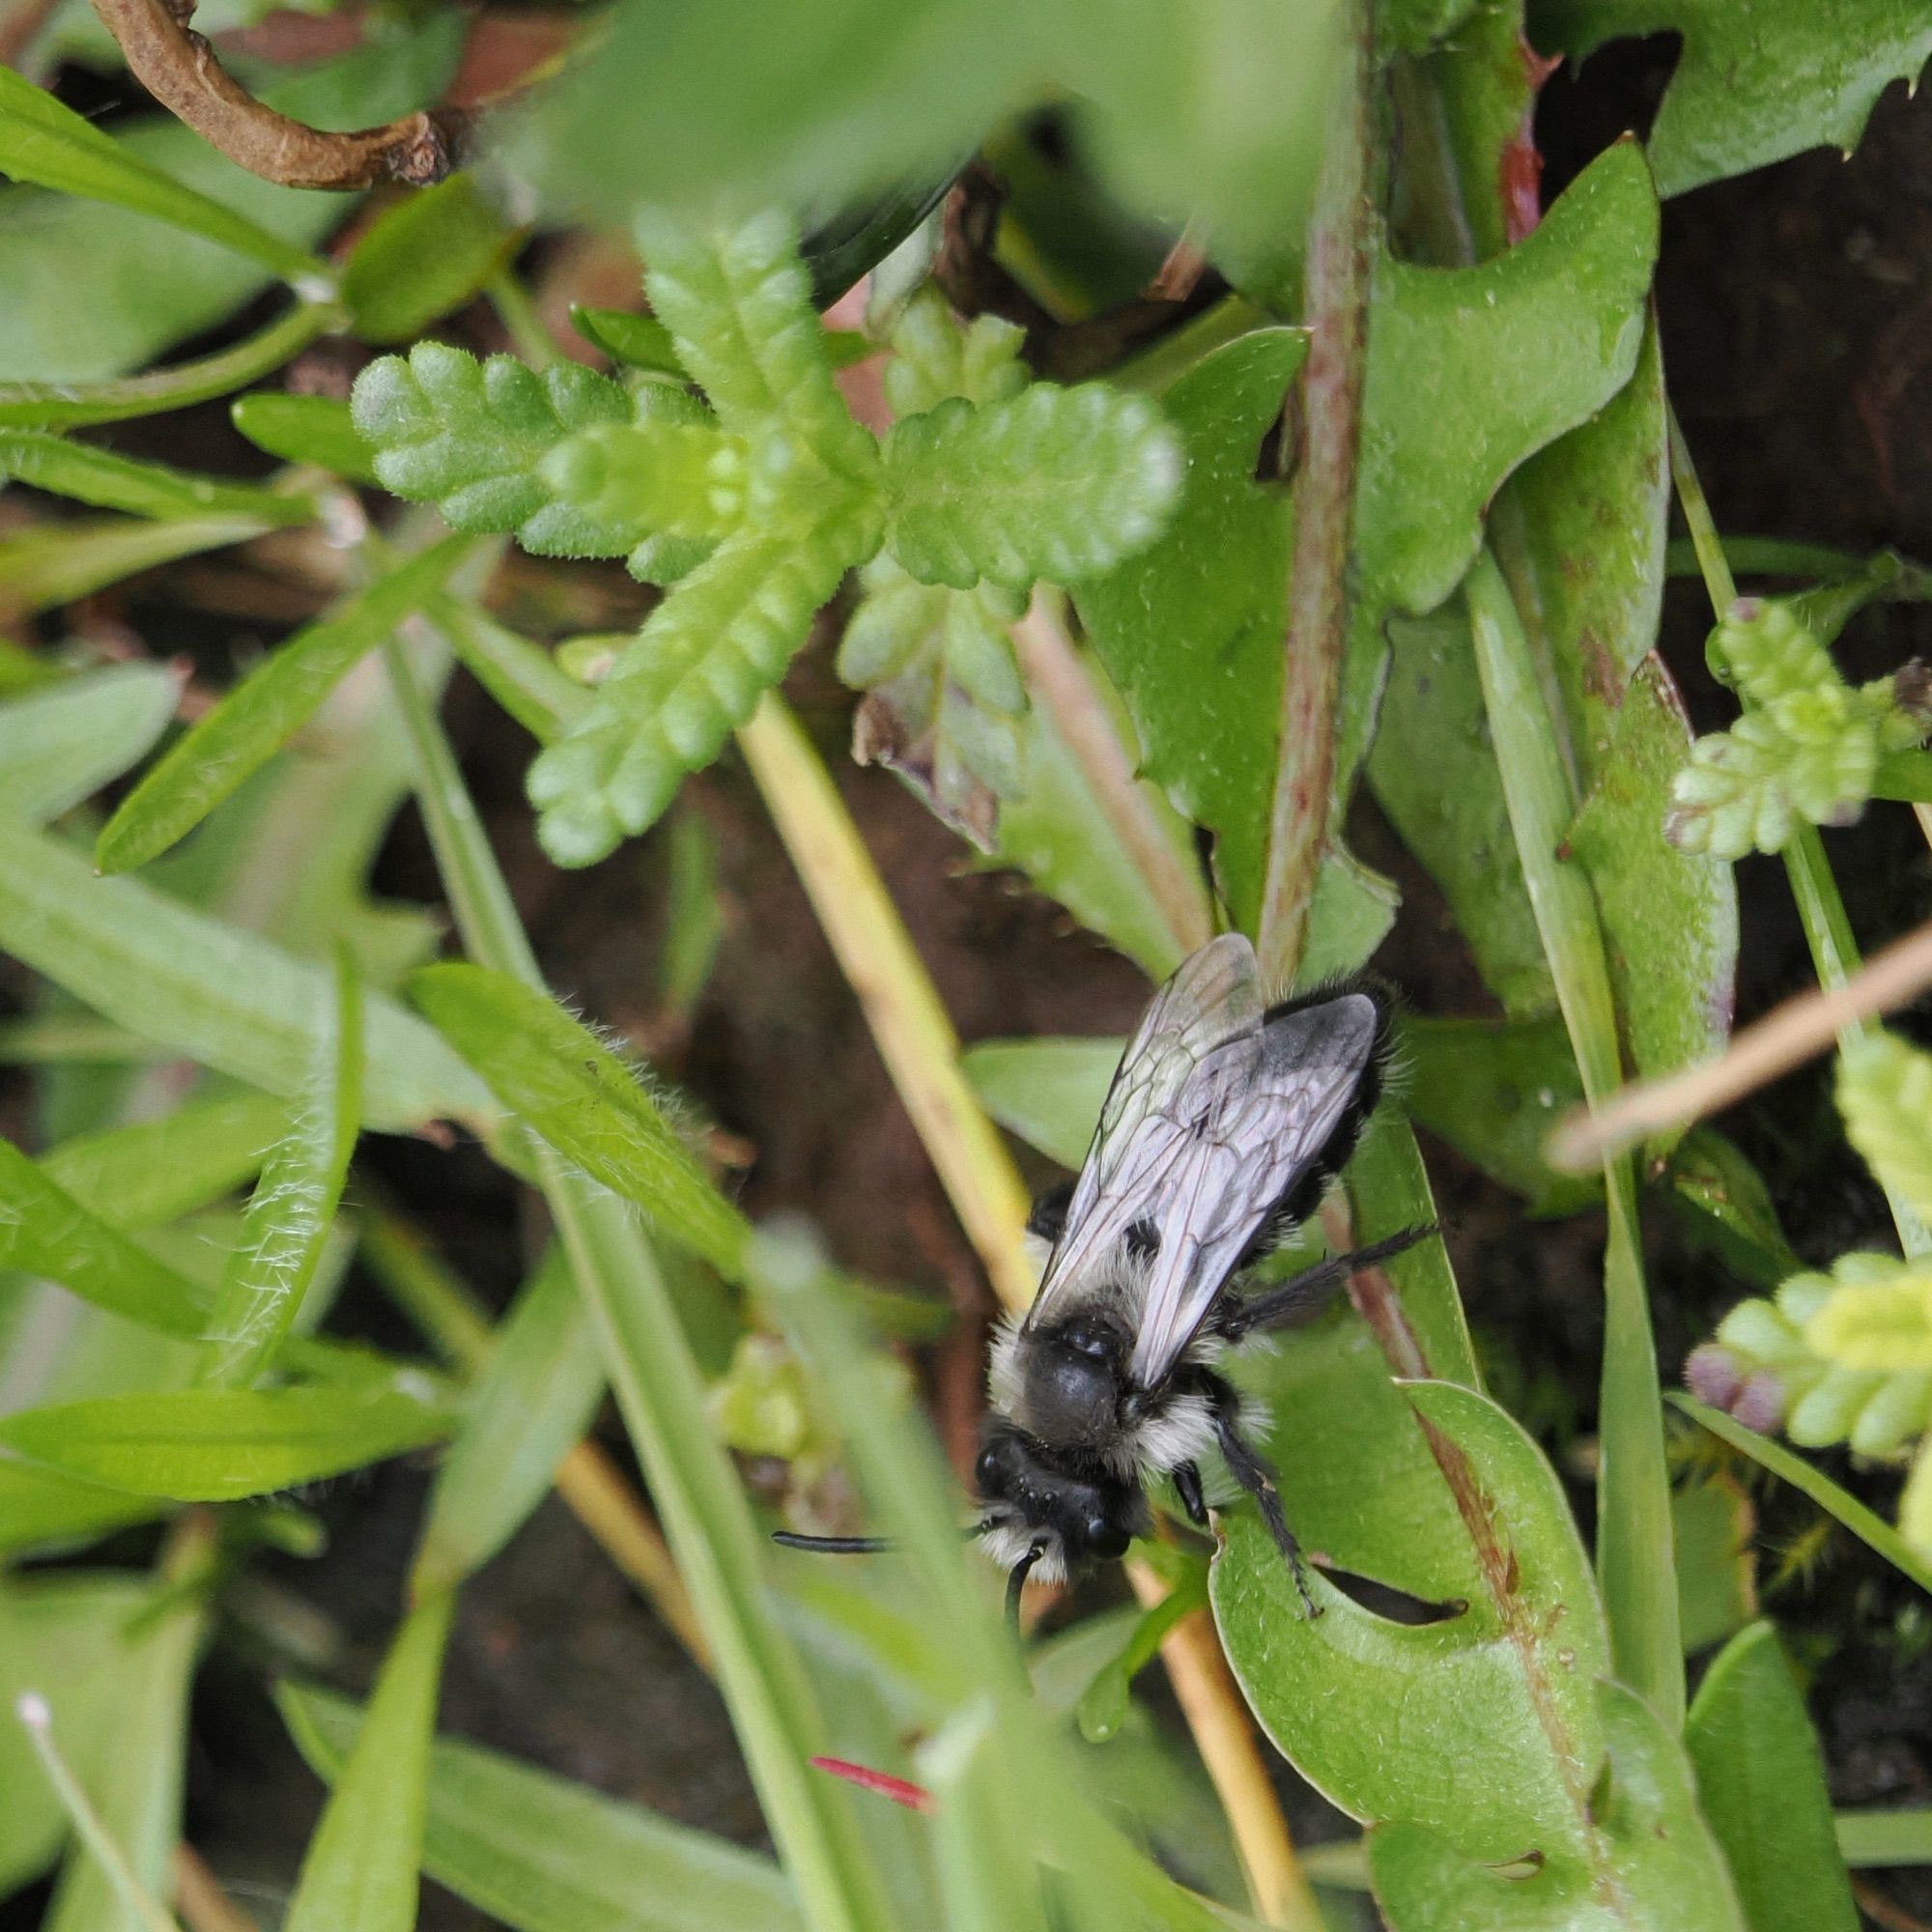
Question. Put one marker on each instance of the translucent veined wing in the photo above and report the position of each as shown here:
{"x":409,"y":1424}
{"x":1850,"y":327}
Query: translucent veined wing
{"x":1254,"y":1120}
{"x":1213,"y":997}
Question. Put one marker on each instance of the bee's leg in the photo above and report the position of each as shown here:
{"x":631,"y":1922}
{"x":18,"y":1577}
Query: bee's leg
{"x":1049,"y":1214}
{"x":1303,"y":1294}
{"x":1187,"y":1486}
{"x":1016,"y":1582}
{"x":1251,"y":1469}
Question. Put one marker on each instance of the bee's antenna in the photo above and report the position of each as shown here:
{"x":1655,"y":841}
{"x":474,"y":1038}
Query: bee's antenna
{"x":834,"y":1545}
{"x":1016,"y":1582}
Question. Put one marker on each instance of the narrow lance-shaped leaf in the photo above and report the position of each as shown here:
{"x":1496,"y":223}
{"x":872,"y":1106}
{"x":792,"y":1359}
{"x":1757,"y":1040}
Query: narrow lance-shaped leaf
{"x":305,"y":428}
{"x":1761,"y":1785}
{"x":544,"y":1855}
{"x":45,"y":1230}
{"x":52,"y":146}
{"x":218,"y":1445}
{"x":45,"y":565}
{"x":112,"y":482}
{"x":532,"y":1404}
{"x":295,"y":1201}
{"x":360,"y":1871}
{"x":566,"y":1085}
{"x":42,"y":1510}
{"x":423,"y":256}
{"x":212,"y":993}
{"x":151,"y":1172}
{"x":61,"y":744}
{"x":252,"y":722}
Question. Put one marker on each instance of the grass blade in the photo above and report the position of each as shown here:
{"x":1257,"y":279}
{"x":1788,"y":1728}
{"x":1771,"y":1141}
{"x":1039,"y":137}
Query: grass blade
{"x":60,"y":745}
{"x":218,"y":1445}
{"x":295,"y":1202}
{"x":1838,"y":1503}
{"x":45,"y":1230}
{"x":256,"y":718}
{"x":211,"y":991}
{"x":528,"y":1408}
{"x":567,"y":1086}
{"x":360,"y":1871}
{"x":1761,"y":1788}
{"x":52,"y":146}
{"x":661,"y":1395}
{"x":111,"y":482}
{"x":544,"y":1855}
{"x":1635,"y":1564}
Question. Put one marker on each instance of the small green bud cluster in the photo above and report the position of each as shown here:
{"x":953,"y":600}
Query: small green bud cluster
{"x":1806,"y":749}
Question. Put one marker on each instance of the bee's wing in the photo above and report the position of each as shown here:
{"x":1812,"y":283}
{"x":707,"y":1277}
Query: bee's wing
{"x":1213,"y":996}
{"x":1253,"y":1120}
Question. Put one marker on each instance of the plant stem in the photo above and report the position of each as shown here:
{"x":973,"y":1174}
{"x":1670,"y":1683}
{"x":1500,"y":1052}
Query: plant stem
{"x":203,"y":1905}
{"x":1341,"y":236}
{"x":1635,"y":1558}
{"x":1062,"y":685}
{"x":909,"y":1025}
{"x":1821,"y":907}
{"x":67,"y":405}
{"x":916,"y":1039}
{"x":518,"y":314}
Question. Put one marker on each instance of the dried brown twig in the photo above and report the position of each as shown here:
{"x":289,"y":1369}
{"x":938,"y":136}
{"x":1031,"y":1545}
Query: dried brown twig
{"x":183,"y":71}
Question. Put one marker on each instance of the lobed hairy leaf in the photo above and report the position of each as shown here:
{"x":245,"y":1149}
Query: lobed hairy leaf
{"x":698,"y":667}
{"x":470,"y":437}
{"x":1054,"y":483}
{"x":1885,"y":1094}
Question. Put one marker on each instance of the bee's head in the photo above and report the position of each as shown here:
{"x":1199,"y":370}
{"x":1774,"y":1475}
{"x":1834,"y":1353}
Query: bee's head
{"x":1034,"y":1502}
{"x":1072,"y":1380}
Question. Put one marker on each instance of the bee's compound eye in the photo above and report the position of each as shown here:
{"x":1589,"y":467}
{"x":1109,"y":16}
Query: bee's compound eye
{"x":1000,"y":1463}
{"x":987,"y":1469}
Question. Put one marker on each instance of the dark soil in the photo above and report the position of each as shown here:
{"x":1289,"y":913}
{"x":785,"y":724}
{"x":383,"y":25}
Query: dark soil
{"x":1796,"y":308}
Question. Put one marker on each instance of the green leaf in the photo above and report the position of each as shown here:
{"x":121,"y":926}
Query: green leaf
{"x":522,"y":676}
{"x":1058,"y":834}
{"x":95,"y":291}
{"x":51,"y":145}
{"x":260,"y":714}
{"x":305,"y":428}
{"x":45,"y":1230}
{"x":1836,"y":1502}
{"x":1885,"y":1094}
{"x":48,"y":564}
{"x":1493,"y":1090}
{"x":1500,"y":1729}
{"x":1716,"y":1566}
{"x":471,"y":437}
{"x":360,"y":1871}
{"x":532,"y":1404}
{"x":59,"y":1635}
{"x":41,"y":1511}
{"x":1891,"y":1838}
{"x":136,"y":1785}
{"x":1633,"y":1538}
{"x":294,"y":1203}
{"x":659,"y":1390}
{"x":1733,"y":1207}
{"x":62,"y":742}
{"x":1056,"y":483}
{"x":703,"y":658}
{"x":1652,"y":1861}
{"x":1471,"y":370}
{"x":1878,"y":1318}
{"x":1674,"y":998}
{"x":1761,"y":1785}
{"x":639,"y":341}
{"x":566,"y":1085}
{"x":1048,"y":1092}
{"x":1190,"y":629}
{"x":1434,"y":773}
{"x":423,"y":256}
{"x":1752,"y":88}
{"x":541,"y":1854}
{"x":111,"y":482}
{"x":217,"y":1445}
